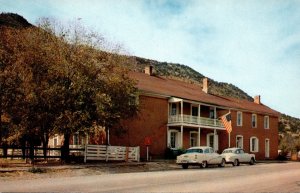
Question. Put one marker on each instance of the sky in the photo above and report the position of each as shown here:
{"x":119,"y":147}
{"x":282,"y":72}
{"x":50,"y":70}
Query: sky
{"x":254,"y":45}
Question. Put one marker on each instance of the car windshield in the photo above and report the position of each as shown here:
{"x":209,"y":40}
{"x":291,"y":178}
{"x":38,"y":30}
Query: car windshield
{"x":194,"y":151}
{"x":228,"y":151}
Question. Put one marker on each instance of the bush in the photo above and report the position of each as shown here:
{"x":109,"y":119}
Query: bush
{"x":36,"y":170}
{"x":173,"y":153}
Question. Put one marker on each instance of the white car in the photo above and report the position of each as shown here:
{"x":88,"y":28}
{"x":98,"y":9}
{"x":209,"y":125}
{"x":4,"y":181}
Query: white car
{"x":235,"y":156}
{"x":202,"y":156}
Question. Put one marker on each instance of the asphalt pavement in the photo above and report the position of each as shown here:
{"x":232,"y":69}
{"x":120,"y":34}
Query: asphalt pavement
{"x":273,"y":177}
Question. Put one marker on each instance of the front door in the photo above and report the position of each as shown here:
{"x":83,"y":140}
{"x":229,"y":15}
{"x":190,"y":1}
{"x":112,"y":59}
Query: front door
{"x":267,"y":148}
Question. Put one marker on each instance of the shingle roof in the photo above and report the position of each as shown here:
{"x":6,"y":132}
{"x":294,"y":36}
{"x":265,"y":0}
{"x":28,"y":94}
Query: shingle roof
{"x":184,"y":90}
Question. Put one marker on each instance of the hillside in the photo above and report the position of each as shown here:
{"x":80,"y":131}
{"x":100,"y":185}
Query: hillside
{"x":175,"y":71}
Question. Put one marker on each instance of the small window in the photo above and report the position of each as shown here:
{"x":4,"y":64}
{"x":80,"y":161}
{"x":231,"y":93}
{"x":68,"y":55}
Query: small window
{"x":211,"y":113}
{"x":241,"y":151}
{"x":206,"y":150}
{"x":266,"y":122}
{"x":76,"y":139}
{"x":194,"y":111}
{"x":239,"y":120}
{"x":173,"y":136}
{"x":173,"y":109}
{"x":254,"y":121}
{"x":239,"y":141}
{"x":193,"y":139}
{"x":253,"y":144}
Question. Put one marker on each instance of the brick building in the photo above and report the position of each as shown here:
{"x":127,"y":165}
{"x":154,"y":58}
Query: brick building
{"x":178,"y":115}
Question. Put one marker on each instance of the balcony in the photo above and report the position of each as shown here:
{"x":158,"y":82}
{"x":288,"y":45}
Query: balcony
{"x":194,"y":121}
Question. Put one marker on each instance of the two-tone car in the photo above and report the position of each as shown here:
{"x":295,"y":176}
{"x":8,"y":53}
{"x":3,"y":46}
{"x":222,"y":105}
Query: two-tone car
{"x":235,"y":156}
{"x":201,"y":156}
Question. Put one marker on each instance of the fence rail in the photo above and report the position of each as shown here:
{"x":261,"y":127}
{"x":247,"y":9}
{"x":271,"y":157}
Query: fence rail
{"x":201,"y":121}
{"x":38,"y":152}
{"x":114,"y":153}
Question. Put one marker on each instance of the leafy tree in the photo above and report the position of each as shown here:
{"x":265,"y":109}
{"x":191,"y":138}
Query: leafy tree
{"x":55,"y":81}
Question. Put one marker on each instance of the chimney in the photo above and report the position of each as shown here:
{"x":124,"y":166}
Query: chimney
{"x":149,"y":70}
{"x":257,"y":99}
{"x":205,"y":85}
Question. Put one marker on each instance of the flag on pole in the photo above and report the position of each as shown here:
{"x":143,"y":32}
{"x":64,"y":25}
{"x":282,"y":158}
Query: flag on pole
{"x":226,"y":120}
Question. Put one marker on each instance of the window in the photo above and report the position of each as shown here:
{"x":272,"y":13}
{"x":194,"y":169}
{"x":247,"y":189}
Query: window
{"x":55,"y":141}
{"x":254,"y":121}
{"x":173,"y":109}
{"x":239,"y":141}
{"x":239,"y":120}
{"x":211,"y":113}
{"x":211,"y":140}
{"x":76,"y":139}
{"x":193,"y":139}
{"x":173,"y":136}
{"x":266,"y":122}
{"x":194,"y":111}
{"x":241,"y":151}
{"x":253,"y":144}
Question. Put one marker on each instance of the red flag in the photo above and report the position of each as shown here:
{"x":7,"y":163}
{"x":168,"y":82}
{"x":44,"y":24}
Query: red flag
{"x":226,"y":120}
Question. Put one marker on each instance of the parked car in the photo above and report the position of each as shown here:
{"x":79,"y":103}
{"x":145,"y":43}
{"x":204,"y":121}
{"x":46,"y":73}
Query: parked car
{"x":202,"y":156}
{"x":235,"y":156}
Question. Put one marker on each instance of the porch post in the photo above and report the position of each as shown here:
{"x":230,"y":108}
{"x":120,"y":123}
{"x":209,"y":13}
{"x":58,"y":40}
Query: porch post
{"x":181,"y":110}
{"x":168,"y":137}
{"x":215,"y":115}
{"x":199,"y":116}
{"x":199,"y":136}
{"x":181,"y":130}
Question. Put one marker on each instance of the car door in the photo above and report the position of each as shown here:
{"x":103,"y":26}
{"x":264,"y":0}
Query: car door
{"x":243,"y":156}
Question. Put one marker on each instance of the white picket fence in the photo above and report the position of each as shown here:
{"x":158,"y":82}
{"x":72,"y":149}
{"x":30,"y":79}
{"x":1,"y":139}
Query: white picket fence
{"x":114,"y":153}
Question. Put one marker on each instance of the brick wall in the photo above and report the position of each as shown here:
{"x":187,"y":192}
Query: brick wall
{"x":151,"y":121}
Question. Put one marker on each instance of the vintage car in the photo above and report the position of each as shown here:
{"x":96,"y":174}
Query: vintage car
{"x":235,"y":156}
{"x":202,"y":156}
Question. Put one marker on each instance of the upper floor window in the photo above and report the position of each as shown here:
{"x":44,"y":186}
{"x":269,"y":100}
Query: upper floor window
{"x":211,"y":113}
{"x":266,"y":122}
{"x":239,"y":120}
{"x":253,"y":144}
{"x":173,"y":109}
{"x":254,"y":121}
{"x":194,"y":111}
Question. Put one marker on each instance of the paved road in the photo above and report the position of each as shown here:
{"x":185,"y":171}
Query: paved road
{"x":276,"y":177}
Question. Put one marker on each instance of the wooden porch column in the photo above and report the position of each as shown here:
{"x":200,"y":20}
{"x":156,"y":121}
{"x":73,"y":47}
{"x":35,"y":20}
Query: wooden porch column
{"x":199,"y":111}
{"x":181,"y":130}
{"x":215,"y":115}
{"x":181,"y":110}
{"x":168,"y":137}
{"x":199,"y":136}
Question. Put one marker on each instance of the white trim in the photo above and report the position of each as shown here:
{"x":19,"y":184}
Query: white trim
{"x":256,"y":148}
{"x":268,"y":122}
{"x":237,"y":118}
{"x":242,"y":145}
{"x":254,"y":115}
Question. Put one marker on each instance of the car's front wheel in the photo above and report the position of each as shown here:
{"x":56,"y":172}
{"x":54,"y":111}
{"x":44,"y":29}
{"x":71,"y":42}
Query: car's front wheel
{"x":185,"y":166}
{"x":204,"y":164}
{"x":222,"y":164}
{"x":252,"y":161}
{"x":236,"y":162}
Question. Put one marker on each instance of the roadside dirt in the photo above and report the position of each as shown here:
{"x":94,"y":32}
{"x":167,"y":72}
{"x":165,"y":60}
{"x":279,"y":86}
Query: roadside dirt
{"x":17,"y":169}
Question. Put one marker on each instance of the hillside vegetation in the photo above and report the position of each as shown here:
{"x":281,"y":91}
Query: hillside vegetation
{"x":175,"y":71}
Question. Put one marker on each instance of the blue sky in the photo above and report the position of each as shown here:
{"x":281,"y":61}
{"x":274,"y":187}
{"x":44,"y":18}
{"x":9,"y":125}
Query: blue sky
{"x":254,"y":45}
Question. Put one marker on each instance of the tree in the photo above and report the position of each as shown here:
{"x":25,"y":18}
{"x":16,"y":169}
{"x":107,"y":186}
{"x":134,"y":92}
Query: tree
{"x":57,"y":82}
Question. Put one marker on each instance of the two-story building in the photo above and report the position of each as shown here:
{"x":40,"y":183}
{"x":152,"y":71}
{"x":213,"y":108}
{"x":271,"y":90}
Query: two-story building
{"x":178,"y":114}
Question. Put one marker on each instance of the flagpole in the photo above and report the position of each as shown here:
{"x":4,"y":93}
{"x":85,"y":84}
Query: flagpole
{"x":228,"y":139}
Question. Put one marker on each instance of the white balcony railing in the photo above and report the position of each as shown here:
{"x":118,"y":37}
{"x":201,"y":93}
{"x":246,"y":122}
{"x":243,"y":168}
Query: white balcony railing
{"x":195,"y":120}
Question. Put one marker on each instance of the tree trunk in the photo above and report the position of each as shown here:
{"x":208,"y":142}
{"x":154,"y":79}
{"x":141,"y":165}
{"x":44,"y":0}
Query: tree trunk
{"x":65,"y":151}
{"x":45,"y":140}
